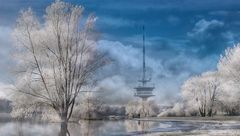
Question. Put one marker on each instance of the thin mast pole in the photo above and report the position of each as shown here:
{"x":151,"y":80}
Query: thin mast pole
{"x":144,"y":65}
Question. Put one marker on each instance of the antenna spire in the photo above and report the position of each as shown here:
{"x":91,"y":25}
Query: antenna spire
{"x":143,"y":91}
{"x":144,"y":65}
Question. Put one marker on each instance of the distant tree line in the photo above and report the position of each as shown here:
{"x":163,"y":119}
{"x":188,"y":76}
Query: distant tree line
{"x":5,"y":106}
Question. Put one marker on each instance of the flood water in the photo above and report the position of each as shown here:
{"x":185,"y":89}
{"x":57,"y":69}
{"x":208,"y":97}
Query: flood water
{"x":109,"y":128}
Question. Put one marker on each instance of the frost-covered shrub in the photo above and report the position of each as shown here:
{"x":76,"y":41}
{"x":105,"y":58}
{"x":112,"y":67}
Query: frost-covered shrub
{"x":179,"y":110}
{"x":143,"y":109}
{"x":228,"y":102}
{"x":25,"y":107}
{"x":201,"y":92}
{"x":89,"y":107}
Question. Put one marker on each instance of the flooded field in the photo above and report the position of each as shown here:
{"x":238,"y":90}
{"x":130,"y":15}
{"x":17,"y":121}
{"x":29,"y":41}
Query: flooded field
{"x":122,"y":128}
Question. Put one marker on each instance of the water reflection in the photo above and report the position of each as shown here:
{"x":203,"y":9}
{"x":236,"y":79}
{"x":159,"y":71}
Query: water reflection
{"x":93,"y":128}
{"x":64,"y":130}
{"x":19,"y":130}
{"x":84,"y":128}
{"x":104,"y":128}
{"x":140,"y":126}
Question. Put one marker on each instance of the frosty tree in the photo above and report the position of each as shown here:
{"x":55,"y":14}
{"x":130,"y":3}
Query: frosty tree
{"x":229,"y":70}
{"x":56,"y":56}
{"x":229,"y":97}
{"x":200,"y":92}
{"x":228,"y":65}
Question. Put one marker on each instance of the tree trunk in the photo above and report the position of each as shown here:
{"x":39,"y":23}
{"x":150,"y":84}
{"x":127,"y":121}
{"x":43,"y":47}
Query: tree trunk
{"x":64,"y":130}
{"x":63,"y":115}
{"x":210,"y":112}
{"x":202,"y":112}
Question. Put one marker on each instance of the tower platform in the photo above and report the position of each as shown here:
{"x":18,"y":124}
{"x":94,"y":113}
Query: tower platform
{"x":143,"y":92}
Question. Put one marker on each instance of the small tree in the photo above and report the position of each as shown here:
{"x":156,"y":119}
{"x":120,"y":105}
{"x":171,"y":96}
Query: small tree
{"x":57,"y":57}
{"x":146,"y":108}
{"x":133,"y":109}
{"x":229,"y":98}
{"x":89,"y":107}
{"x":201,"y":92}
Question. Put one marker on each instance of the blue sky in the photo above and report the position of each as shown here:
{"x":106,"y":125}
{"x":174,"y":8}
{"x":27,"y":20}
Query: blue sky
{"x":184,"y":37}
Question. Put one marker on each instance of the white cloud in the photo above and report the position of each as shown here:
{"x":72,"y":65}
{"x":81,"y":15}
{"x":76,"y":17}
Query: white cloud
{"x":114,"y":90}
{"x":203,"y":25}
{"x":6,"y":90}
{"x":167,"y":77}
{"x":5,"y":52}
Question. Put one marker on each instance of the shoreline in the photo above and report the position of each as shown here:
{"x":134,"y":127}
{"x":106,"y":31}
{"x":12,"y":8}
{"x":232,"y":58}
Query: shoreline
{"x":7,"y":118}
{"x":190,"y":119}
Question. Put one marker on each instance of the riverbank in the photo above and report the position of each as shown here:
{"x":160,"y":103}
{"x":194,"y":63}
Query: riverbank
{"x":192,"y":119}
{"x":7,"y":116}
{"x":230,"y":132}
{"x":200,"y":133}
